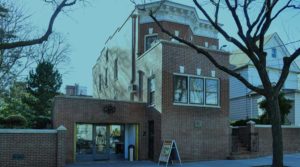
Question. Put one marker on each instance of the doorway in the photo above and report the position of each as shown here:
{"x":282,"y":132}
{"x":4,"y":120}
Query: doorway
{"x":96,"y":142}
{"x":151,"y":140}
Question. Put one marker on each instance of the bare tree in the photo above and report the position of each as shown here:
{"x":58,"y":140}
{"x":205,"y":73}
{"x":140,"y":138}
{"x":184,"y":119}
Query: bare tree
{"x":251,"y":32}
{"x":13,"y":61}
{"x":55,"y":50}
{"x":21,"y":43}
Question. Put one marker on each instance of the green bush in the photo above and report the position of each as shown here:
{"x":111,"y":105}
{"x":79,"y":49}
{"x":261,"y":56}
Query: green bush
{"x":2,"y":122}
{"x":41,"y":122}
{"x":243,"y":122}
{"x":15,"y":121}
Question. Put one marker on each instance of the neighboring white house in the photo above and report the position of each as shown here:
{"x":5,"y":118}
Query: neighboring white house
{"x":244,"y":102}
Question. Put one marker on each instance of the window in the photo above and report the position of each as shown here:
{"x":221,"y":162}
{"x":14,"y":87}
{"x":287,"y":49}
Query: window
{"x":106,"y":76}
{"x":149,"y":40}
{"x":274,"y":52}
{"x":196,"y":90}
{"x":180,"y":89}
{"x":106,"y":55}
{"x":206,"y":44}
{"x":141,"y":80}
{"x":116,"y":69}
{"x":211,"y":92}
{"x":151,"y":85}
{"x":100,"y":77}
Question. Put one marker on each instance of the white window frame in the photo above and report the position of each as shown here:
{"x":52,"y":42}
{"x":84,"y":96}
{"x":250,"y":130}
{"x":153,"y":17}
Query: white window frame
{"x":204,"y":97}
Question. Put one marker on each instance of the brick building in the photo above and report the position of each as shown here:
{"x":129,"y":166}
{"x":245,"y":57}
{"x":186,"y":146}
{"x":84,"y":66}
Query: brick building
{"x":148,"y":88}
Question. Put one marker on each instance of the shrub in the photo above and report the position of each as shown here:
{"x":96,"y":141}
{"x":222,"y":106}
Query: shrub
{"x":2,"y":121}
{"x":15,"y":121}
{"x":41,"y":122}
{"x":243,"y":122}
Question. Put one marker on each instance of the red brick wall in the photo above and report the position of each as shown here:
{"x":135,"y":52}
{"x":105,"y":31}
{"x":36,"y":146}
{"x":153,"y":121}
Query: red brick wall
{"x":211,"y":141}
{"x":34,"y":149}
{"x":185,"y":33}
{"x":71,"y":110}
{"x":290,"y":136}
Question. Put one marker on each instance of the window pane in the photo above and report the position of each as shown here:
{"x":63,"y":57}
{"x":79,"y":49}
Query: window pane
{"x":180,"y":89}
{"x":211,"y":98}
{"x":211,"y":85}
{"x":211,"y":94}
{"x":196,"y":90}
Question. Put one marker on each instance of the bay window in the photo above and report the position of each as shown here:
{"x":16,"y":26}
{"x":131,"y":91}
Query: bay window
{"x":180,"y":89}
{"x":196,"y":90}
{"x":211,"y":92}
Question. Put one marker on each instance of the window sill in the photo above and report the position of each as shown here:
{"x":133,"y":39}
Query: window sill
{"x":151,"y":105}
{"x":196,"y":105}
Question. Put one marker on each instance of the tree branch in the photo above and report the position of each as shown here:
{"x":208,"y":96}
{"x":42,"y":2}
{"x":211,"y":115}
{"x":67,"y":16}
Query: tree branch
{"x":210,"y":58}
{"x":43,"y":38}
{"x":286,"y":68}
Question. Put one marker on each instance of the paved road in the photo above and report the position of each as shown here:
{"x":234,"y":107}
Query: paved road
{"x":291,"y":160}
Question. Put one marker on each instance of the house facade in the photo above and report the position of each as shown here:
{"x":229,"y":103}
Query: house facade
{"x":149,"y":88}
{"x":244,"y":103}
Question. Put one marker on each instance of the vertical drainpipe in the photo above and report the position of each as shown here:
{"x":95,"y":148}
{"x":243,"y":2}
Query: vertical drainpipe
{"x":133,"y":59}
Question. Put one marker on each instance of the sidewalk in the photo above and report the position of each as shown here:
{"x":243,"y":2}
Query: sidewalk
{"x":290,"y":160}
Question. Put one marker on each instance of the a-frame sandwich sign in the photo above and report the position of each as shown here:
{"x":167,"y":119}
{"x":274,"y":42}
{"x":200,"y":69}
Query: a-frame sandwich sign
{"x":169,"y":152}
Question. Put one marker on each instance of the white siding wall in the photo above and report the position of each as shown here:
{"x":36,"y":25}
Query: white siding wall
{"x":244,"y":107}
{"x":119,"y":47}
{"x":291,"y":81}
{"x":297,"y":109}
{"x":237,"y":88}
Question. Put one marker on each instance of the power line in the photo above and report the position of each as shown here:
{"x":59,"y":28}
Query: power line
{"x":283,"y":44}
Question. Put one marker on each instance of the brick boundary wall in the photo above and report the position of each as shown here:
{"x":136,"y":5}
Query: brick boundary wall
{"x":32,"y":147}
{"x":290,"y":138}
{"x":258,"y":138}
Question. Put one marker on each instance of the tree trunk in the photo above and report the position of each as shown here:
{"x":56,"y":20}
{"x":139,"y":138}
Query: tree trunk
{"x":274,"y":113}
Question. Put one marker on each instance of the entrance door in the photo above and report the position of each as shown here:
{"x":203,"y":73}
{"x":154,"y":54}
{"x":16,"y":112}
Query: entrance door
{"x":151,"y":140}
{"x":92,"y":142}
{"x":101,"y":142}
{"x":96,"y":142}
{"x":84,"y":142}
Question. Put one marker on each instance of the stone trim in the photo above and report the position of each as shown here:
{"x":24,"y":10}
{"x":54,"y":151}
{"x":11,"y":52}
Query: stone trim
{"x":34,"y":131}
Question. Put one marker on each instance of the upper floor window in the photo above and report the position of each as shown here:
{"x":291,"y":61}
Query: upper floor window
{"x":211,"y":91}
{"x":151,"y":85}
{"x":140,"y":88}
{"x":100,"y":77}
{"x":196,"y":90}
{"x":106,"y":79}
{"x":116,"y":69}
{"x":106,"y":55}
{"x":149,"y":39}
{"x":274,"y":52}
{"x":180,"y":89}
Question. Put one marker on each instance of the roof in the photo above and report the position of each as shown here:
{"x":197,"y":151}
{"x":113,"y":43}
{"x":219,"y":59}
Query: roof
{"x":240,"y":60}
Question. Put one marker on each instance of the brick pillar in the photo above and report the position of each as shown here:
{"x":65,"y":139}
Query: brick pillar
{"x":253,"y":137}
{"x":60,"y":145}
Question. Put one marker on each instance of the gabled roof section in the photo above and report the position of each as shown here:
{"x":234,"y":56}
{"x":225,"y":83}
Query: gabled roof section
{"x":239,"y":59}
{"x":177,"y":13}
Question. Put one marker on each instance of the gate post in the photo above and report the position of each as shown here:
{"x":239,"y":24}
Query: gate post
{"x":60,"y":146}
{"x":253,"y":137}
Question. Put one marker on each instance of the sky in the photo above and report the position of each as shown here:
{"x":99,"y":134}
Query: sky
{"x":87,"y":27}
